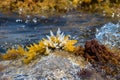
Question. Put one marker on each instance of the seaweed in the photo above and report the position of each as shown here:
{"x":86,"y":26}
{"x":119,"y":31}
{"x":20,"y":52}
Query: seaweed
{"x":99,"y":52}
{"x":44,"y":47}
{"x":100,"y":55}
{"x":25,"y":7}
{"x":13,"y":53}
{"x":105,"y":60}
{"x":80,"y":51}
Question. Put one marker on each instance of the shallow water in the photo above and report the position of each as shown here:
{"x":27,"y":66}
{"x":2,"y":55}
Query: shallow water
{"x":16,"y":29}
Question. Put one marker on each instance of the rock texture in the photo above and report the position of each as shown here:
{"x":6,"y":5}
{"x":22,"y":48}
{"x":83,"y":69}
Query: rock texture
{"x":52,"y":67}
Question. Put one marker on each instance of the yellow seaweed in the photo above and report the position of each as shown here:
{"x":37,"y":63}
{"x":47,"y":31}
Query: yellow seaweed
{"x":44,"y":47}
{"x":14,"y":53}
{"x":69,"y":45}
{"x":53,"y":6}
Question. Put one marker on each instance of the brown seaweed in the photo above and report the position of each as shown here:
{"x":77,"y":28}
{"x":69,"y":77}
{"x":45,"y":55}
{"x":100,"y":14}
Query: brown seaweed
{"x":101,"y":56}
{"x":99,"y":52}
{"x":106,"y":61}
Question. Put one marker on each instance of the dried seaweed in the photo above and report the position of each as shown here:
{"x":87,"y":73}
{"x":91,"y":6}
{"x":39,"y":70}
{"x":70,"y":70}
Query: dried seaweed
{"x":79,"y":51}
{"x":99,"y":52}
{"x":100,"y":56}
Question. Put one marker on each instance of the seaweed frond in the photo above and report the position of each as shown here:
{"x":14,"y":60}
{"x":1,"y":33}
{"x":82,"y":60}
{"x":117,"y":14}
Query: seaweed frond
{"x":101,"y":56}
{"x":14,"y":53}
{"x":69,"y":45}
{"x":58,"y":41}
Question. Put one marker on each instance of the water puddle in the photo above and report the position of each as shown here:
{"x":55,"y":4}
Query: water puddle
{"x":16,"y":30}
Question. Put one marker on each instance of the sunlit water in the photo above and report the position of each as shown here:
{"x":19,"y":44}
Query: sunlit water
{"x":18,"y":30}
{"x":109,"y":34}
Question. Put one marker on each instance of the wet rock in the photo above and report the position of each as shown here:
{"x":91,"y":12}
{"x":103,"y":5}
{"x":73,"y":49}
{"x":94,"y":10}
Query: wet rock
{"x":5,"y":78}
{"x":89,"y":74}
{"x":52,"y":67}
{"x":2,"y":67}
{"x":109,"y":34}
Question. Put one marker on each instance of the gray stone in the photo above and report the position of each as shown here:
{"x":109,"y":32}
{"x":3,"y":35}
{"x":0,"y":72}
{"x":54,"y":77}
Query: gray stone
{"x":50,"y":67}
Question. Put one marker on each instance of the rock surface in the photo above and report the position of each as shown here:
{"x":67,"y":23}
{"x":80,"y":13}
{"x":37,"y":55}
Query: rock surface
{"x":52,"y":67}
